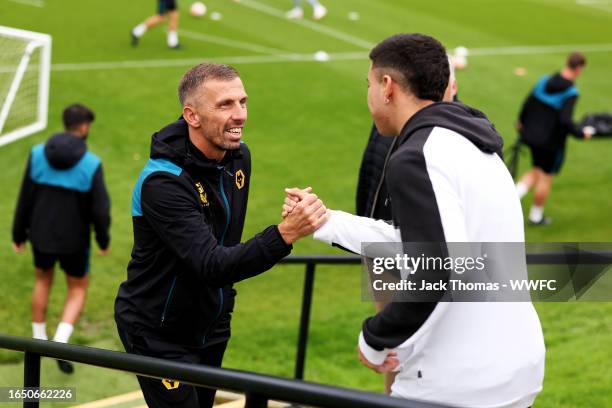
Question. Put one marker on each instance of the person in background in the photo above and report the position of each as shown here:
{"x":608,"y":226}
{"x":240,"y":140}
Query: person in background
{"x":166,"y":9}
{"x":297,"y":12}
{"x":62,"y":195}
{"x":544,"y":123}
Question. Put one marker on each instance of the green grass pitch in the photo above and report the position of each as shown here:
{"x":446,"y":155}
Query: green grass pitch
{"x":308,"y":124}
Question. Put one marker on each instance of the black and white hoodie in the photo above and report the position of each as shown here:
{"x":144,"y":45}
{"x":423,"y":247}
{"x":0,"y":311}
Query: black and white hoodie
{"x":447,"y":183}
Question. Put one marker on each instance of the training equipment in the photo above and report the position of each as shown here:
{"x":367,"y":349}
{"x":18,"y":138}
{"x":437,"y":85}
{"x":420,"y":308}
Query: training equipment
{"x":25,"y":65}
{"x":215,"y":16}
{"x":600,"y":122}
{"x":197,"y":9}
{"x":459,"y":58}
{"x":321,"y":56}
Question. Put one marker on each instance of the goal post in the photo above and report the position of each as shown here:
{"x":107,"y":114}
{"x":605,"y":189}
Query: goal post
{"x":25,"y":65}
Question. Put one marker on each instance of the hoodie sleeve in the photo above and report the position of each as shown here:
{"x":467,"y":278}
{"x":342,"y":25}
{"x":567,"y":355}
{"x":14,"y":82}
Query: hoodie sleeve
{"x":565,"y":117}
{"x":100,"y":209}
{"x":21,"y":222}
{"x":170,"y":207}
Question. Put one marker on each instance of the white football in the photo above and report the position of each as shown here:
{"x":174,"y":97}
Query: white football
{"x":197,"y":9}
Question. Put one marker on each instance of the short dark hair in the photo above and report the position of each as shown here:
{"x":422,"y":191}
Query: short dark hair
{"x":77,"y":114}
{"x":576,"y":60}
{"x":417,"y":62}
{"x":197,"y":75}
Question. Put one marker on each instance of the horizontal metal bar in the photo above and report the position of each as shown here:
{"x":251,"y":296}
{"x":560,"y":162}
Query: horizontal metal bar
{"x":276,"y":388}
{"x":542,"y":258}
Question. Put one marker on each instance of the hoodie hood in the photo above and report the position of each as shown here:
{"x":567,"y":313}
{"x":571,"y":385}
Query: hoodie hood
{"x":64,"y":150}
{"x":557,"y":84}
{"x":172,"y":143}
{"x":468,"y":122}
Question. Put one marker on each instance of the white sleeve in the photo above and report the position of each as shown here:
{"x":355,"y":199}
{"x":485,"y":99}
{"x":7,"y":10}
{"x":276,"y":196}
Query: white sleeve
{"x":372,"y":355}
{"x":350,"y":231}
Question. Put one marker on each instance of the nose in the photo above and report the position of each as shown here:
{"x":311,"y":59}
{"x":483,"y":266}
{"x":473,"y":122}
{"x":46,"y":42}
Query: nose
{"x":239,"y":113}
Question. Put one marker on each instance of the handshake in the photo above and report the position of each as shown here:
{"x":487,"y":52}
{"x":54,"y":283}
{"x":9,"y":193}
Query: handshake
{"x":303,"y":213}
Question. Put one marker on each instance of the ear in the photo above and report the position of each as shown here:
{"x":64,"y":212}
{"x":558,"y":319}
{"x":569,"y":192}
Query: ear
{"x":387,"y":87}
{"x":191,"y":117}
{"x":83,"y":129}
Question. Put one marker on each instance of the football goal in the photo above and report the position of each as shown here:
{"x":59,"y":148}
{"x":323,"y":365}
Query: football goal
{"x":25,"y":64}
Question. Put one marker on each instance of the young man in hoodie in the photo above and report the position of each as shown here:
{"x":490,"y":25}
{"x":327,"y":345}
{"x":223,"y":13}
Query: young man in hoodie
{"x":62,"y":195}
{"x":188,"y":211}
{"x":544,"y":122}
{"x":447,"y":184}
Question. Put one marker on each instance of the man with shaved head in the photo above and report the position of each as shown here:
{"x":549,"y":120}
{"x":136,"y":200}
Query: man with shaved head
{"x":188,"y":211}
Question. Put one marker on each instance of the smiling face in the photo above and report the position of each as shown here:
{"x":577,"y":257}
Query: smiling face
{"x":217,"y":115}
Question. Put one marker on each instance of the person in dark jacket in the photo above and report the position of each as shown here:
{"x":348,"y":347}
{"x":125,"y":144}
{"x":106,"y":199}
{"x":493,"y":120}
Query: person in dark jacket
{"x":188,"y":211}
{"x":62,"y":195}
{"x":544,"y":123}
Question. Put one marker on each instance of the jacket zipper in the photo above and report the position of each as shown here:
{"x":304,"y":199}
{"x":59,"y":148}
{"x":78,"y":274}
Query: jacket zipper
{"x":163,"y":316}
{"x":221,"y":241}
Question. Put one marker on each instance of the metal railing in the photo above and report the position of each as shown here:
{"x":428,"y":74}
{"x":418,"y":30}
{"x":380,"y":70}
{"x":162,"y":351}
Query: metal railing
{"x":543,"y":258}
{"x":258,"y":388}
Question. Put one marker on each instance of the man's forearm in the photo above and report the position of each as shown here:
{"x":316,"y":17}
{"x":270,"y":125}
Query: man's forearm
{"x":350,"y":231}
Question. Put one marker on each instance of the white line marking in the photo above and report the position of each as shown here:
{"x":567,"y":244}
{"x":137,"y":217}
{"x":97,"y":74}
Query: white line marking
{"x":115,"y":400}
{"x":539,"y":49}
{"x":230,"y":43}
{"x":294,"y":57}
{"x":247,"y":59}
{"x":35,"y":3}
{"x":604,"y":5}
{"x":264,"y":8}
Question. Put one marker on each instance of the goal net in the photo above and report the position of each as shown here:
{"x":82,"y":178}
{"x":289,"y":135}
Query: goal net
{"x":25,"y":63}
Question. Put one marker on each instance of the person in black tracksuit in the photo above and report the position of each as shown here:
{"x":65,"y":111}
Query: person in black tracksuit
{"x":188,"y":211}
{"x":62,"y":195}
{"x":544,"y":123}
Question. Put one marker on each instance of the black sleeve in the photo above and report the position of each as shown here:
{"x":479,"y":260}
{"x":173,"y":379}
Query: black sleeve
{"x":172,"y":210}
{"x":100,"y":209}
{"x":526,"y":103}
{"x":363,"y":189}
{"x":21,"y":222}
{"x":565,"y":117}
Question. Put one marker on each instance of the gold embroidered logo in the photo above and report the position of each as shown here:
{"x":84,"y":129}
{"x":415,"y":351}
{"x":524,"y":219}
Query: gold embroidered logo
{"x":170,"y":384}
{"x":239,"y":179}
{"x":203,"y":196}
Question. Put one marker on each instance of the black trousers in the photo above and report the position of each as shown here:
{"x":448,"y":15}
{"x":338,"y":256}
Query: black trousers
{"x":168,"y":393}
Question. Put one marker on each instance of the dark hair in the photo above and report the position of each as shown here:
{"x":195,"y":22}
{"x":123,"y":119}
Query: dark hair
{"x":201,"y":73}
{"x":417,"y":62}
{"x":576,"y":60}
{"x":75,"y":115}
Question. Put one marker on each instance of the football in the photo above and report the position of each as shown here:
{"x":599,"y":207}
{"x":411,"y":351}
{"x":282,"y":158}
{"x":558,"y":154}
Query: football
{"x":197,"y":9}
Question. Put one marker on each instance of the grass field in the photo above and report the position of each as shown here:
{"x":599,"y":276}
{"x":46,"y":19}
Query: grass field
{"x":308,"y":124}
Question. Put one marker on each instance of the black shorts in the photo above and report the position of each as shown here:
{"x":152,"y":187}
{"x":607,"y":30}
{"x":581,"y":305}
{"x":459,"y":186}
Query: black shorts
{"x":164,"y":6}
{"x":168,"y":393}
{"x":75,"y":265}
{"x":550,"y":161}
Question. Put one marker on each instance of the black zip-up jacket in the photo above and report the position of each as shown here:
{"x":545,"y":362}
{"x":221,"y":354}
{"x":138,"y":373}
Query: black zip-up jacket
{"x":188,"y":215}
{"x":547,"y":113}
{"x":62,"y":195}
{"x":371,"y":175}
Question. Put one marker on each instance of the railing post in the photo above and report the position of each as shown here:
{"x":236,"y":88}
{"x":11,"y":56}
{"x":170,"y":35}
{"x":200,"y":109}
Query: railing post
{"x":255,"y":401}
{"x":31,"y":375}
{"x":304,"y":320}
